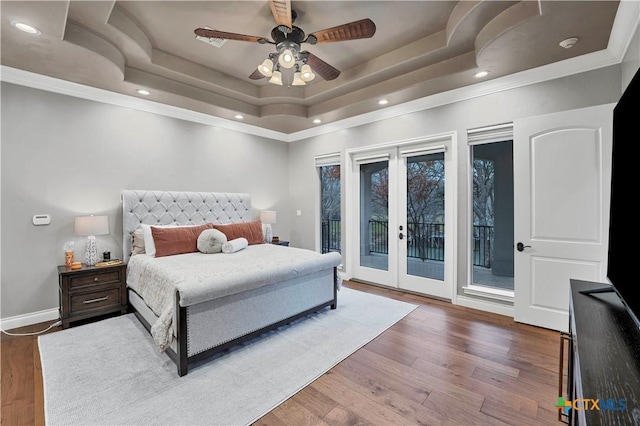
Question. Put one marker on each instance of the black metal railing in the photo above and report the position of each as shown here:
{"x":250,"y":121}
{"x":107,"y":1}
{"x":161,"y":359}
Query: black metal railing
{"x":425,"y":241}
{"x":331,"y":235}
{"x":482,"y":245}
{"x":378,"y":237}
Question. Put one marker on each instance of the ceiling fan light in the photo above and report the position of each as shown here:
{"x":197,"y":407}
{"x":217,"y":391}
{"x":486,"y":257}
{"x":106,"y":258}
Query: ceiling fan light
{"x":306,"y":74}
{"x":297,"y":79}
{"x":276,"y":78}
{"x":266,"y":68}
{"x":286,"y":59}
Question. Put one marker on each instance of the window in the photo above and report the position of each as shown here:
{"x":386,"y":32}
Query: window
{"x":330,"y":205}
{"x":492,"y":218}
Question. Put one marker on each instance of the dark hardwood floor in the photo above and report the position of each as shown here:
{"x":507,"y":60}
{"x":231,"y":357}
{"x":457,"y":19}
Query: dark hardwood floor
{"x":441,"y":364}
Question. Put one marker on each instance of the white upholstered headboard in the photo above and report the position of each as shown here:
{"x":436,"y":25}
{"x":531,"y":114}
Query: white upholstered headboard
{"x":183,"y":208}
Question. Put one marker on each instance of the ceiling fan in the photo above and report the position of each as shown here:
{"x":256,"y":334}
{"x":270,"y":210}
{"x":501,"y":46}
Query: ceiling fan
{"x":287,"y":38}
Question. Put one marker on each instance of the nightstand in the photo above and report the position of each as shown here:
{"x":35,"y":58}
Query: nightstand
{"x":91,"y":291}
{"x":281,"y":243}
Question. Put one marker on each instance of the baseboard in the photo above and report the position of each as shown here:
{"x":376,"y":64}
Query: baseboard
{"x":29,"y":319}
{"x":484,"y":305}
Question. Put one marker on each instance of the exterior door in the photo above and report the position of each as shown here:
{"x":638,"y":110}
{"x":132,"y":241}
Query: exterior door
{"x":399,"y":198}
{"x":562,"y":173}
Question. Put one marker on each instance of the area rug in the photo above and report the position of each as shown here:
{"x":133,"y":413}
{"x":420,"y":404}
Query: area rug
{"x":111,"y":373}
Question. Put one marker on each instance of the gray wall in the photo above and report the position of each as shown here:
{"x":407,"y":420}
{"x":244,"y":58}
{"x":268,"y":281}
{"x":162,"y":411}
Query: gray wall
{"x":596,"y":87}
{"x":631,"y":60}
{"x":65,"y":156}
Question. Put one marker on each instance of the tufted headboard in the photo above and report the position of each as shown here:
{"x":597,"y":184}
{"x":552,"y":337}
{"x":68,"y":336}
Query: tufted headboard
{"x":182,"y":208}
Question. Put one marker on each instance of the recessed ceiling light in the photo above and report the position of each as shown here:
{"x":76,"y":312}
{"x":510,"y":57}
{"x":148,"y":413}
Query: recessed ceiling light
{"x":568,"y":42}
{"x":317,"y":121}
{"x":239,"y":116}
{"x":143,"y":92}
{"x":481,"y":74}
{"x":25,"y":27}
{"x":383,"y":102}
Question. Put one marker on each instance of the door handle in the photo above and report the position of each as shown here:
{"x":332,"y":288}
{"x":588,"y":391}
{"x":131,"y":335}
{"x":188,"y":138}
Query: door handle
{"x":401,"y":236}
{"x":521,"y":247}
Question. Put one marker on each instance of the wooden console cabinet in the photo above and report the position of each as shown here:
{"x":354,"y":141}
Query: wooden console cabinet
{"x":604,"y":359}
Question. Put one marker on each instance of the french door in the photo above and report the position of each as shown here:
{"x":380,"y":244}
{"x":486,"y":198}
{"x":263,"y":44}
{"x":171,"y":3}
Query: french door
{"x":400,"y":200}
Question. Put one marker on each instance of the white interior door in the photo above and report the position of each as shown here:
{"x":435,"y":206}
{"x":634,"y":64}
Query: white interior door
{"x":562,"y":173}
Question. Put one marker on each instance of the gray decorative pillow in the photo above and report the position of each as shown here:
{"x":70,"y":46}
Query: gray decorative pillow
{"x":211,"y":241}
{"x":137,"y":241}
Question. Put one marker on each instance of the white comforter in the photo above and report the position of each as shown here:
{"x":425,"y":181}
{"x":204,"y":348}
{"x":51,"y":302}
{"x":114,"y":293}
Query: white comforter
{"x":200,"y":277}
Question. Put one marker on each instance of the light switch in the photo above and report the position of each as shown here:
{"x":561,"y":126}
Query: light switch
{"x":298,"y":212}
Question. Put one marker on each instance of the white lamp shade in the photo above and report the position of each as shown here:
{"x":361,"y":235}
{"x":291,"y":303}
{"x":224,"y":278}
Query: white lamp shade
{"x":306,"y":73}
{"x":276,"y":78}
{"x":266,"y":68}
{"x":91,"y":225}
{"x":286,"y":59}
{"x":297,"y":80}
{"x":268,"y":216}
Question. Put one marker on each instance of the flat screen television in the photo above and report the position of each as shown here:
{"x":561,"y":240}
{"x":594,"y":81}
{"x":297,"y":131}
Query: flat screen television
{"x":621,"y":271}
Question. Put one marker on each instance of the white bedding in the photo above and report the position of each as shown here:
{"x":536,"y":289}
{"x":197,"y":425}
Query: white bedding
{"x":200,"y":277}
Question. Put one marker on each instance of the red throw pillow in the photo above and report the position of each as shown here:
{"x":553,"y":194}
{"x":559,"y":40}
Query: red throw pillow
{"x":252,"y":231}
{"x":177,"y":240}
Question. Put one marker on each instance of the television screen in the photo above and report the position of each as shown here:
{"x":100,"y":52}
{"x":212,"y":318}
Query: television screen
{"x":621,"y":271}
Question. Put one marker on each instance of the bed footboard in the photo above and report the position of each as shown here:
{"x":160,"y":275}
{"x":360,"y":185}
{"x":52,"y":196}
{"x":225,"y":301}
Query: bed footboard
{"x":212,"y":327}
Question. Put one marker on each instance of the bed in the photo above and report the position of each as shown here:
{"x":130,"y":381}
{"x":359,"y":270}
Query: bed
{"x":197,"y":304}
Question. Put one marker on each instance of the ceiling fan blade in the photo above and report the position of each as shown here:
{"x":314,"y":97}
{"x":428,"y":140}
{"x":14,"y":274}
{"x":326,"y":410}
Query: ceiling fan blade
{"x":322,"y":68}
{"x":281,"y":10}
{"x":364,"y":28}
{"x":256,"y":75}
{"x":204,"y":32}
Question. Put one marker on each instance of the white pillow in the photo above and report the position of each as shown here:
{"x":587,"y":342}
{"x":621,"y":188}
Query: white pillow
{"x":235,"y":245}
{"x":211,"y":241}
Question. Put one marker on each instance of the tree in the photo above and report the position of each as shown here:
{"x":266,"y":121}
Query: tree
{"x":330,"y":192}
{"x":483,"y":181}
{"x":425,"y":190}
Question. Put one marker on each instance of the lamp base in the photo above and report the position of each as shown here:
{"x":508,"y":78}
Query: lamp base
{"x":268,"y":235}
{"x":90,"y":251}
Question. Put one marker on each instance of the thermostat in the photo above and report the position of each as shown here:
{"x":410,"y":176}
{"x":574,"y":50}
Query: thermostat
{"x":41,"y":219}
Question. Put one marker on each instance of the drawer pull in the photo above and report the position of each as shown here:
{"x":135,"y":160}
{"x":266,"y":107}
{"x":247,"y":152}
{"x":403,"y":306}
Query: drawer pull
{"x":95,"y":279}
{"x":99,"y":299}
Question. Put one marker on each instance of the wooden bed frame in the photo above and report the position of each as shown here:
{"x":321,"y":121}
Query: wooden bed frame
{"x":303,"y":295}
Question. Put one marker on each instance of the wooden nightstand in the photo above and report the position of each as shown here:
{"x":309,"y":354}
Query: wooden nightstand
{"x":91,"y":291}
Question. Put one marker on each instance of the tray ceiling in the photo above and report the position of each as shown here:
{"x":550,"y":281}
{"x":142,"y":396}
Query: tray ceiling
{"x":420,"y":48}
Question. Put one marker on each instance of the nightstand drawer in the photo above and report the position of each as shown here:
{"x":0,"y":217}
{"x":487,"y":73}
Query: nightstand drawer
{"x":106,"y":277}
{"x":95,"y":300}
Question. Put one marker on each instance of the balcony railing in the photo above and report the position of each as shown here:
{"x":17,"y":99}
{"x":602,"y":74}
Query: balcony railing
{"x":425,"y":241}
{"x":331,"y":235}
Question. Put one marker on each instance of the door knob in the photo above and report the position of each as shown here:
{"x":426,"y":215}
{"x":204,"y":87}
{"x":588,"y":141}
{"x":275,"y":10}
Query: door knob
{"x":521,"y":247}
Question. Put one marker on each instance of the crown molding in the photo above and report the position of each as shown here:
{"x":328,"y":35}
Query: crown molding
{"x":626,"y":21}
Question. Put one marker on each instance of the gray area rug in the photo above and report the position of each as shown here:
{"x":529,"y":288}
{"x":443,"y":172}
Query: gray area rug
{"x":111,"y":373}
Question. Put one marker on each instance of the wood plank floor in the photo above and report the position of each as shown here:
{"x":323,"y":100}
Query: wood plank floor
{"x":441,"y":364}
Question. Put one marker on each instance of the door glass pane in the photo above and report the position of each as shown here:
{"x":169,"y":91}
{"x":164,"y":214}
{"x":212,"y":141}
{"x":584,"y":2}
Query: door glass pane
{"x":330,"y":208}
{"x":374,"y":215}
{"x":425,"y":216}
{"x":492,"y":236}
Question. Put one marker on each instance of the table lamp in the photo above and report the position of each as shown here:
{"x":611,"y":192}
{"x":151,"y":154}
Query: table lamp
{"x":90,"y":226}
{"x":267,"y":217}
